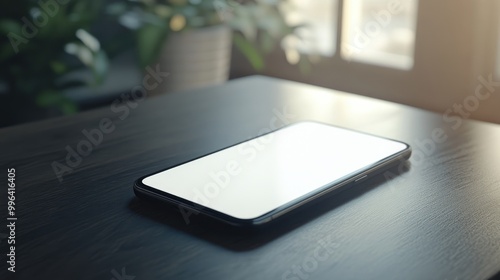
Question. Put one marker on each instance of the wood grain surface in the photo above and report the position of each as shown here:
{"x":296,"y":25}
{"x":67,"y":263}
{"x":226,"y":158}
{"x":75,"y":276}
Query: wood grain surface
{"x":437,"y":217}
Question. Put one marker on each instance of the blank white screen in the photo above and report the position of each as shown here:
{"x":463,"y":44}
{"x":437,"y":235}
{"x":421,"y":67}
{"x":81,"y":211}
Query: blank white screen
{"x":255,"y":177}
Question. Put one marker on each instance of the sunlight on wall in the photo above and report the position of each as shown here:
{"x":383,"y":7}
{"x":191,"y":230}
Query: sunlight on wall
{"x":498,"y":54}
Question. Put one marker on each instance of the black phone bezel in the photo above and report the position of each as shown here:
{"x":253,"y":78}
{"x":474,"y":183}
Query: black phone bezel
{"x":143,"y":191}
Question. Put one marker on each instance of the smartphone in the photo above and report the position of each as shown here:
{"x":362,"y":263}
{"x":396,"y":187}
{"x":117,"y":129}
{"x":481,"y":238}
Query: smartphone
{"x":261,"y":179}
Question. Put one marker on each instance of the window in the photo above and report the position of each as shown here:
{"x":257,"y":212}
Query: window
{"x":319,"y":34}
{"x":379,"y":32}
{"x":375,"y":46}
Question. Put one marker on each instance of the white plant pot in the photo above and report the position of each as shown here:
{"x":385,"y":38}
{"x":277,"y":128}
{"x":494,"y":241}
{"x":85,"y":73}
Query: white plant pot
{"x":195,"y":58}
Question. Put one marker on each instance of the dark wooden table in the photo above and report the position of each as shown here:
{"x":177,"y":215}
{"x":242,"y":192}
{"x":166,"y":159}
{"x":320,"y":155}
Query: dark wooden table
{"x":437,"y":217}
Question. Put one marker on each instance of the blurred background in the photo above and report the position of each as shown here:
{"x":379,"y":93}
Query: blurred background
{"x":59,"y":57}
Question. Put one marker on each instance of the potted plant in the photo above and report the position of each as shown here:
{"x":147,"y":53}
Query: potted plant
{"x":44,"y":43}
{"x":192,"y":39}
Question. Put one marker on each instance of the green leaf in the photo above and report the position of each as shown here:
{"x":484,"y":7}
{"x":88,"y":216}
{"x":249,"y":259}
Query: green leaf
{"x":68,"y":107}
{"x":7,"y":51}
{"x":305,"y":66}
{"x":100,"y":66}
{"x":49,"y":98}
{"x":53,"y":98}
{"x":267,"y":42}
{"x":116,"y":8}
{"x":7,"y":26}
{"x":249,"y":51}
{"x":58,"y":67}
{"x":150,"y":41}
